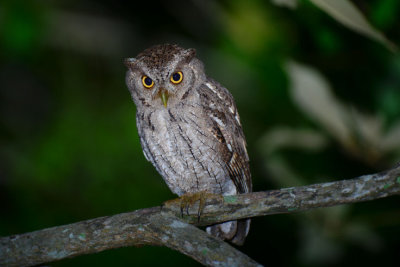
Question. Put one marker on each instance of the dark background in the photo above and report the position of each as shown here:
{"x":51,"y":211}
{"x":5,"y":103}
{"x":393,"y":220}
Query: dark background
{"x":69,"y":148}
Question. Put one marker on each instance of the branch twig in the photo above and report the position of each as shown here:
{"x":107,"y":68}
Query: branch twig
{"x":161,"y":226}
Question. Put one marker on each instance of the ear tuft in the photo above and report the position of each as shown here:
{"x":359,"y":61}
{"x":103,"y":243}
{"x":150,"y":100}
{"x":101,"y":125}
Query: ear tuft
{"x":130,"y":62}
{"x":189,"y":54}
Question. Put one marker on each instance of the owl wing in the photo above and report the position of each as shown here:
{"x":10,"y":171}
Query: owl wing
{"x":224,"y":124}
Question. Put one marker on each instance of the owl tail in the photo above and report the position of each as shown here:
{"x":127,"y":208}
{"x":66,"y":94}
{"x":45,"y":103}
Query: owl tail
{"x":233,"y":231}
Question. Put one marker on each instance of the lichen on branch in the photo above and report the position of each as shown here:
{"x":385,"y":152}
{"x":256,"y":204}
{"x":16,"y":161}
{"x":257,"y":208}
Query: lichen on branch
{"x":165,"y":226}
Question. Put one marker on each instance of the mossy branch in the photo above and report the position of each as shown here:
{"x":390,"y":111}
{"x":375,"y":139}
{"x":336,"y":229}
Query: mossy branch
{"x":164,"y":225}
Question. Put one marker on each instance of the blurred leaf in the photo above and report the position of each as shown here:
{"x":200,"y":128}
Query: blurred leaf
{"x":329,"y":41}
{"x":292,"y":4}
{"x":384,"y":13}
{"x":316,"y":247}
{"x":363,"y":235}
{"x":271,"y":143}
{"x":249,"y":26}
{"x":281,"y":137}
{"x":281,"y":173}
{"x":388,"y":99}
{"x":369,"y":130}
{"x":387,"y":93}
{"x":75,"y":31}
{"x":347,"y":13}
{"x":21,"y":26}
{"x":391,"y":141}
{"x":360,"y":134}
{"x":312,"y":93}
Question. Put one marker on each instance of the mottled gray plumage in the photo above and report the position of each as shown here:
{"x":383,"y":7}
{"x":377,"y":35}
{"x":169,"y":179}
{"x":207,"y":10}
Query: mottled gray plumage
{"x":193,"y":138}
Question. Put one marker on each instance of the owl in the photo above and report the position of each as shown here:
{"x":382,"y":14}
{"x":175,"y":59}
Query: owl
{"x":189,"y":128}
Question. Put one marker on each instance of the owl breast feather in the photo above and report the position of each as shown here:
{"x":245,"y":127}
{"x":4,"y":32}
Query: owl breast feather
{"x":184,"y":151}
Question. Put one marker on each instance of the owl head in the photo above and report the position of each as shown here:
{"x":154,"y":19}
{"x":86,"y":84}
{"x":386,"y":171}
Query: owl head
{"x":163,"y":75}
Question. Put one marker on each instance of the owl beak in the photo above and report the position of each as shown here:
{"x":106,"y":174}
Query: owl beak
{"x":164,"y":96}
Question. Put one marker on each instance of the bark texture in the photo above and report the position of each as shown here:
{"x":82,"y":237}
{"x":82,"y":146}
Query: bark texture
{"x":166,"y":226}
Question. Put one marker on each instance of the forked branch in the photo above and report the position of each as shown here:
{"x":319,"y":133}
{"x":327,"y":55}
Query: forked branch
{"x":164,"y":225}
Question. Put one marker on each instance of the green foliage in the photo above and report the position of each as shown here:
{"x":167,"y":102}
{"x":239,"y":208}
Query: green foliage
{"x":318,"y":102}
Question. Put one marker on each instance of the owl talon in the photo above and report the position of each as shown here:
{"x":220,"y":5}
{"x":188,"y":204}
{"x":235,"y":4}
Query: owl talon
{"x":201,"y":205}
{"x":184,"y":206}
{"x":189,"y":199}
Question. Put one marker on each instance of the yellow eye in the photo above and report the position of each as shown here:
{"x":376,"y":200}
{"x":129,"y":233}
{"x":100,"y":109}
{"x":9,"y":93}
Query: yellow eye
{"x":147,"y":82}
{"x":177,"y":77}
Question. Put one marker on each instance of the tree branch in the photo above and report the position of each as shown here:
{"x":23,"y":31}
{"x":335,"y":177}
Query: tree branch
{"x":142,"y":227}
{"x":294,"y":199}
{"x":161,"y":226}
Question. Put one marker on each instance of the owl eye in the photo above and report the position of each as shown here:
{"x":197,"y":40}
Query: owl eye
{"x":177,"y":77}
{"x":147,"y":82}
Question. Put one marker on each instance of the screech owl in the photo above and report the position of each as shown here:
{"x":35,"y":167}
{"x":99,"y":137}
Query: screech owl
{"x":189,"y":128}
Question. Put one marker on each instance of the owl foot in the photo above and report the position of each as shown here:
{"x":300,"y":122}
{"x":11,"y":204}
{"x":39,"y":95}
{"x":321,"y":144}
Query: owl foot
{"x":189,"y":199}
